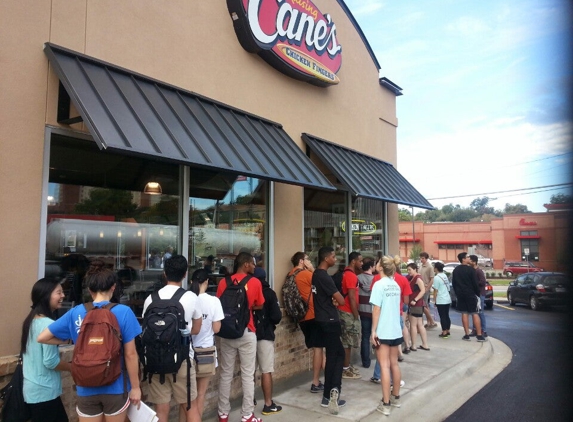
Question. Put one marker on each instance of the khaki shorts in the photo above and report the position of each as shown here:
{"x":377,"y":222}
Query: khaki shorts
{"x":350,"y":327}
{"x":161,"y":393}
{"x":266,"y":356}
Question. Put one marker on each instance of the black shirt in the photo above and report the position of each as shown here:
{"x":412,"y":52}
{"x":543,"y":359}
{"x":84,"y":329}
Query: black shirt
{"x":323,"y":288}
{"x":465,"y":281}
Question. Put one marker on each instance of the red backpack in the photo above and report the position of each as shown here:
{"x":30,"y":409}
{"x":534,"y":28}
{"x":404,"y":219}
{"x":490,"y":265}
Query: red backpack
{"x":97,"y":354}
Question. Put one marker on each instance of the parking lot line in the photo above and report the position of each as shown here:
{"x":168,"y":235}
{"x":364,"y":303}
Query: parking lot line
{"x":504,"y":307}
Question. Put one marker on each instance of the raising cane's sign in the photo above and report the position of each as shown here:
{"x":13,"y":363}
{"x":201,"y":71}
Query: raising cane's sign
{"x":293,"y":36}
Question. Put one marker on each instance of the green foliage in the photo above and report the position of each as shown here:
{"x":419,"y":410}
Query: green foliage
{"x":415,"y":253}
{"x":404,"y":214}
{"x":117,"y":203}
{"x":561,"y":198}
{"x":515,"y":209}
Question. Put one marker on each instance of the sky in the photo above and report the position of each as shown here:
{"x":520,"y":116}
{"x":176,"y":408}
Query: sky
{"x":486,"y":86}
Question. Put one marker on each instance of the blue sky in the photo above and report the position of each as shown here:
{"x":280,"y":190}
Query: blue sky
{"x":485,"y":84}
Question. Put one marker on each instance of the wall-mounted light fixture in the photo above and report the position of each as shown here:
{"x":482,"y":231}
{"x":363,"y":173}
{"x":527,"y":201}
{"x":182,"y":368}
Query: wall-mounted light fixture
{"x":152,"y":188}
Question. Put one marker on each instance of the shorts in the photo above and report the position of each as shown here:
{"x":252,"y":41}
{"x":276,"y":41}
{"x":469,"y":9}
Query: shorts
{"x":106,"y":404}
{"x":350,"y":327}
{"x":266,"y":356}
{"x":312,"y":336}
{"x":468,"y":304}
{"x":161,"y":393}
{"x":391,"y":343}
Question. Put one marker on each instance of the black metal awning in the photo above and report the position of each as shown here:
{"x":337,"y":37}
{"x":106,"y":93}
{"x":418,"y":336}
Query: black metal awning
{"x":132,"y":113}
{"x":366,"y":176}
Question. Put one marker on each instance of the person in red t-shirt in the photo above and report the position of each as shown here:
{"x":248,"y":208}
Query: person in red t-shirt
{"x":245,"y":346}
{"x":349,"y":317}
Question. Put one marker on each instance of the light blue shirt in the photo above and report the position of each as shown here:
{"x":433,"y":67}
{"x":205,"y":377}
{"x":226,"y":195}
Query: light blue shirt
{"x":443,"y":297}
{"x":41,"y":382}
{"x":386,"y":295}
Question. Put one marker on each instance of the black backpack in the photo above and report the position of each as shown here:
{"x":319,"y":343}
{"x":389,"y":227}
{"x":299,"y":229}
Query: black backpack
{"x":235,"y":308}
{"x":337,"y":278}
{"x":161,"y":348}
{"x":295,"y":306}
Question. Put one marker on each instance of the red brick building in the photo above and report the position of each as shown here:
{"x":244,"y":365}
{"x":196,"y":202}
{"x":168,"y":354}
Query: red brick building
{"x":507,"y":238}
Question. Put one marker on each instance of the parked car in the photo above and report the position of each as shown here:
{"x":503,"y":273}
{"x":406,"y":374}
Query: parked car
{"x":449,"y":267}
{"x":488,"y":302}
{"x":485,"y":261}
{"x":519,"y":267}
{"x":540,"y":289}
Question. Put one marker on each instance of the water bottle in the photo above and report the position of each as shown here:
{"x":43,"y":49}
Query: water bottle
{"x":185,"y":339}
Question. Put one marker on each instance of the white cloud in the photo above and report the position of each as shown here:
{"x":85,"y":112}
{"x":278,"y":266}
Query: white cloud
{"x":364,"y":7}
{"x":467,"y":25}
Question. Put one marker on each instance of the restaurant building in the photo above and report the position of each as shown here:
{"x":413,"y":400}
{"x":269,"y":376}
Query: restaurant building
{"x":133,"y":128}
{"x":537,"y":237}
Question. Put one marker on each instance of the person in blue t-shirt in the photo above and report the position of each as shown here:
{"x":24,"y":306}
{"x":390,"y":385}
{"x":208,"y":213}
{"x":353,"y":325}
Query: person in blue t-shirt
{"x":386,"y":334}
{"x":41,"y":363}
{"x":105,"y":403}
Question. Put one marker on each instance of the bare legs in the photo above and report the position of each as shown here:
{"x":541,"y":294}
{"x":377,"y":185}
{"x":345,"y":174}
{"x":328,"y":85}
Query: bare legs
{"x":476,"y":321}
{"x":388,"y":358}
{"x":417,"y":326}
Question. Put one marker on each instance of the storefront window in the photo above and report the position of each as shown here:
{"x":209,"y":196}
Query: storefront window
{"x":97,"y":210}
{"x":324,"y":223}
{"x":367,"y":227}
{"x":227,"y":215}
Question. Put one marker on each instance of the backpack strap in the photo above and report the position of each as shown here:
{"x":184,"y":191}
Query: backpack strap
{"x":179,"y":294}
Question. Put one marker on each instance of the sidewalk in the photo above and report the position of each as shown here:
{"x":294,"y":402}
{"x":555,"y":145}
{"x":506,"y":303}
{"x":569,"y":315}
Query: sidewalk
{"x":449,"y":374}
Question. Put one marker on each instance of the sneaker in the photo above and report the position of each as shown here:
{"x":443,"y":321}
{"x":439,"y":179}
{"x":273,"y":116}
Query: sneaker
{"x":223,"y":417}
{"x":466,"y":337}
{"x":333,"y":403}
{"x":402,"y":384}
{"x":251,"y":418}
{"x":484,"y":334}
{"x":480,"y":338}
{"x":316,"y":388}
{"x":395,"y":400}
{"x":384,"y":408}
{"x":355,"y":370}
{"x":473,"y":333}
{"x":273,"y":408}
{"x":325,"y":401}
{"x":348,"y":374}
{"x":375,"y":380}
{"x":444,"y":335}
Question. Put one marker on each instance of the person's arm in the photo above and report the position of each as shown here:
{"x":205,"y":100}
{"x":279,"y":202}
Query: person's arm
{"x":46,"y":337}
{"x":352,"y":302}
{"x":375,"y":318}
{"x":132,"y":366}
{"x":420,"y":294}
{"x":338,"y":298}
{"x":216,"y":326}
{"x":477,"y":290}
{"x":196,"y":325}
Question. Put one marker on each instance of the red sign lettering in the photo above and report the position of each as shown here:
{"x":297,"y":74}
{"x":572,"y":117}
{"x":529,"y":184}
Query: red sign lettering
{"x":522,"y":222}
{"x":291,"y":35}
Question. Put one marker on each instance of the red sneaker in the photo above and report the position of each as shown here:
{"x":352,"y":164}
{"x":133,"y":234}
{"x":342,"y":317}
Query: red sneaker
{"x":223,"y":417}
{"x":251,"y":418}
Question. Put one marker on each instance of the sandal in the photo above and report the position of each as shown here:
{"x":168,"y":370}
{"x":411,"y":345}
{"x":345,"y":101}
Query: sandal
{"x":413,"y":349}
{"x":427,"y":349}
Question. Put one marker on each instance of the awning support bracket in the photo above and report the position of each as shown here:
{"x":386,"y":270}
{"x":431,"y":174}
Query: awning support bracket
{"x":64,"y":107}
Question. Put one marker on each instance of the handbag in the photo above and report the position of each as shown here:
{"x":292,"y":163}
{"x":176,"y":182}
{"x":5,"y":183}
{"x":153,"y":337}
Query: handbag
{"x":205,"y":359}
{"x":15,"y":409}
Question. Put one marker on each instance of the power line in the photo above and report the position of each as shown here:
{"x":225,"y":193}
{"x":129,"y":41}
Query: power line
{"x":501,"y":191}
{"x":539,"y":159}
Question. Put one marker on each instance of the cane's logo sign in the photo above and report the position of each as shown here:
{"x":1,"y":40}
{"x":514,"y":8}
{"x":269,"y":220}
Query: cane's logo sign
{"x":291,"y":35}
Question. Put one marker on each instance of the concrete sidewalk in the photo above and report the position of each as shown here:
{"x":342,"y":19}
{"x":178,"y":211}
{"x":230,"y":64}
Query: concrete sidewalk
{"x":449,"y":374}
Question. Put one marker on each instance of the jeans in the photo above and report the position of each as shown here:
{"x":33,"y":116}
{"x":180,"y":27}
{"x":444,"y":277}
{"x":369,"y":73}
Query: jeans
{"x":482,"y":314}
{"x":334,"y":356}
{"x":366,"y":324}
{"x":376,"y":373}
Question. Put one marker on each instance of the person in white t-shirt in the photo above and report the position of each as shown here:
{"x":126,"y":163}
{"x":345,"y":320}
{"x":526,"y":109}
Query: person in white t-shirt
{"x":210,"y":307}
{"x":175,"y":270}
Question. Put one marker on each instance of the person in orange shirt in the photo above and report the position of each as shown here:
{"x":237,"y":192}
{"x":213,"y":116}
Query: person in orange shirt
{"x":303,"y":269}
{"x":349,"y":317}
{"x":245,"y":346}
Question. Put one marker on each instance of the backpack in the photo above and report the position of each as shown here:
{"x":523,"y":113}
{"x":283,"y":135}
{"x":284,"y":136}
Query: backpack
{"x":161,"y":347}
{"x":235,"y":308}
{"x":337,"y":278}
{"x":97,"y":353}
{"x":295,"y":306}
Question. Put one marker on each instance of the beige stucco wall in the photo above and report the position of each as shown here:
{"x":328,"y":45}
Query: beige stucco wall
{"x":192,"y":45}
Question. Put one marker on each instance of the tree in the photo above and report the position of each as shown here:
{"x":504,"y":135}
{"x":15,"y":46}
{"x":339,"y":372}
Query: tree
{"x":561,"y":198}
{"x":515,"y":209}
{"x":480,"y":205}
{"x":404,"y":214}
{"x":107,"y":202}
{"x":415,"y":253}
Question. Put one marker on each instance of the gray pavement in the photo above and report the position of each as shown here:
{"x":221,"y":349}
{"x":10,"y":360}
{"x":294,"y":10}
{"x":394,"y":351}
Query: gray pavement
{"x":446,"y":376}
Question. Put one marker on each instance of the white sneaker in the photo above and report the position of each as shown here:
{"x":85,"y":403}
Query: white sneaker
{"x":402,"y":384}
